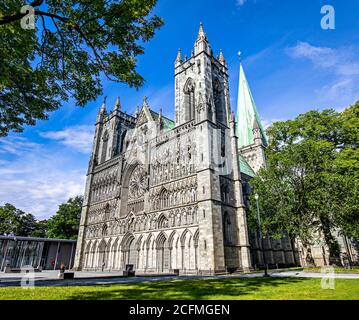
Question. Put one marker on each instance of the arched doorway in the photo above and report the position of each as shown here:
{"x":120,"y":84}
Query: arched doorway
{"x":132,"y":254}
{"x":163,"y":253}
{"x":102,"y":255}
{"x":129,"y":251}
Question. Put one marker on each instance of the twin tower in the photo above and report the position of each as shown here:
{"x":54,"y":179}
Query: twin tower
{"x":201,"y":85}
{"x":163,"y":195}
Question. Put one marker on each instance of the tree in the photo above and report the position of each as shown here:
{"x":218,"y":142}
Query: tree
{"x":346,"y":173}
{"x":65,"y":223}
{"x":77,"y":42}
{"x":310,"y":185}
{"x":40,"y":229}
{"x":14,"y":221}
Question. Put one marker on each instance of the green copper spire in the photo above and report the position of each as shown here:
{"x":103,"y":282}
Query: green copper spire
{"x":247,"y":114}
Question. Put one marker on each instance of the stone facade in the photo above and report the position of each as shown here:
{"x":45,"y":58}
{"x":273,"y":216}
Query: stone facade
{"x":164,"y":195}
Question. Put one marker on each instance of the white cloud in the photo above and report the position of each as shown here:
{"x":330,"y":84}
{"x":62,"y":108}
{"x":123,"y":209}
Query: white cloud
{"x":342,"y":63}
{"x":341,"y":60}
{"x":17,"y":146}
{"x":38,"y":178}
{"x":268,"y":122}
{"x":240,"y":3}
{"x":344,"y":92}
{"x":77,"y":137}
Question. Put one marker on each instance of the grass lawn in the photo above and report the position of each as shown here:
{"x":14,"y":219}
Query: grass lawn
{"x":229,"y":288}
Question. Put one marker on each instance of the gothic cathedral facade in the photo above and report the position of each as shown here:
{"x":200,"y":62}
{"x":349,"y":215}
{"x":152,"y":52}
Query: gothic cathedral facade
{"x":163,"y":195}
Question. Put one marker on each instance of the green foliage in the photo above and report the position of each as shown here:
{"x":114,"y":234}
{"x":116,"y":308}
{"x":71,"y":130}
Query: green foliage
{"x":17,"y":222}
{"x":75,"y":44}
{"x":311,"y":183}
{"x":40,"y":230}
{"x":65,"y":223}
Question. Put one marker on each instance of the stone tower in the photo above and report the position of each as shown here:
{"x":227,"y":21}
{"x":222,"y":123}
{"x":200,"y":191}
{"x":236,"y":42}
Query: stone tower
{"x":202,"y":96}
{"x":201,"y":85}
{"x":163,"y":195}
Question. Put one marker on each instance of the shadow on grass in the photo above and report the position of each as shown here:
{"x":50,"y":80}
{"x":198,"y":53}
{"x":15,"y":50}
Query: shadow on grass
{"x":197,"y":289}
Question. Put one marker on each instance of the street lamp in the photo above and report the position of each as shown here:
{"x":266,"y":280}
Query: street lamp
{"x":256,"y":196}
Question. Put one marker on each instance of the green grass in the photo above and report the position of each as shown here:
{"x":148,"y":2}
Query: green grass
{"x":225,"y":288}
{"x":336,"y":269}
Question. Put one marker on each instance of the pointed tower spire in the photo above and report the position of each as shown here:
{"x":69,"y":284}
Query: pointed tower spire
{"x":145,"y":102}
{"x":255,"y":124}
{"x":179,"y":58}
{"x":103,"y":107}
{"x":201,"y":43}
{"x":221,"y":58}
{"x":201,"y":34}
{"x":247,"y":115}
{"x":102,"y":112}
{"x":257,"y":135}
{"x":117,"y":104}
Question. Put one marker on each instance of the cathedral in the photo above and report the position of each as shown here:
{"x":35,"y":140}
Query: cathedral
{"x":164,"y":196}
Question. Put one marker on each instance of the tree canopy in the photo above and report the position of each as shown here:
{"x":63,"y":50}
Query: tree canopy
{"x":75,"y":44}
{"x":65,"y":223}
{"x":310,"y":185}
{"x":14,"y":221}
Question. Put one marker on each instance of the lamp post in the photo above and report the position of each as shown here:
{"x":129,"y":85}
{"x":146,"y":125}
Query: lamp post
{"x":256,"y":196}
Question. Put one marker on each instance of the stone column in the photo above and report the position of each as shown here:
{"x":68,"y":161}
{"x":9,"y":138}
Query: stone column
{"x":243,"y":237}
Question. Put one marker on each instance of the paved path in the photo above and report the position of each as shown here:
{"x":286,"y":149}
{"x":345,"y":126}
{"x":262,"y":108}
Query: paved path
{"x":49,"y":278}
{"x":302,"y":274}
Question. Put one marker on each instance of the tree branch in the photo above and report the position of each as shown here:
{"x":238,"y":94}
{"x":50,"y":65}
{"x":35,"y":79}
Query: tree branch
{"x":44,"y":31}
{"x":63,"y":48}
{"x":73,"y":25}
{"x":19,"y":16}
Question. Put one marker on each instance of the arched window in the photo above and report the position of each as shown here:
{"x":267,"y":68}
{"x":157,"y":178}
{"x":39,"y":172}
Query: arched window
{"x":162,"y":222}
{"x":218,"y":100}
{"x":107,"y":212}
{"x":104,"y":146}
{"x":163,"y":198}
{"x":104,"y":230}
{"x":227,"y":229}
{"x":189,"y":107}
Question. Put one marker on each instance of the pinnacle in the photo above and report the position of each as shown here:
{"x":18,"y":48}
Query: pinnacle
{"x":201,"y":33}
{"x":118,"y":104}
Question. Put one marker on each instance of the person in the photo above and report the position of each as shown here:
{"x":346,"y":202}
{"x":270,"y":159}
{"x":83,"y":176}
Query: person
{"x":103,"y":265}
{"x":62,"y":267}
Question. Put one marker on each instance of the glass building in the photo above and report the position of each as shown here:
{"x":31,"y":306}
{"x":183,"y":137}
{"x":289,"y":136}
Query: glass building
{"x":40,"y":253}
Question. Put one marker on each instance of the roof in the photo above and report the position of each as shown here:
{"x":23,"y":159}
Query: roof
{"x":245,"y":167}
{"x":247,"y":115}
{"x":167,"y":123}
{"x":17,"y":238}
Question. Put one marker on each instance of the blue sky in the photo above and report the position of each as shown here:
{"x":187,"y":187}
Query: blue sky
{"x":291,"y":63}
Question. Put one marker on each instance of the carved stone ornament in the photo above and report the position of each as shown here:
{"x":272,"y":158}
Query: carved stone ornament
{"x":137,"y":185}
